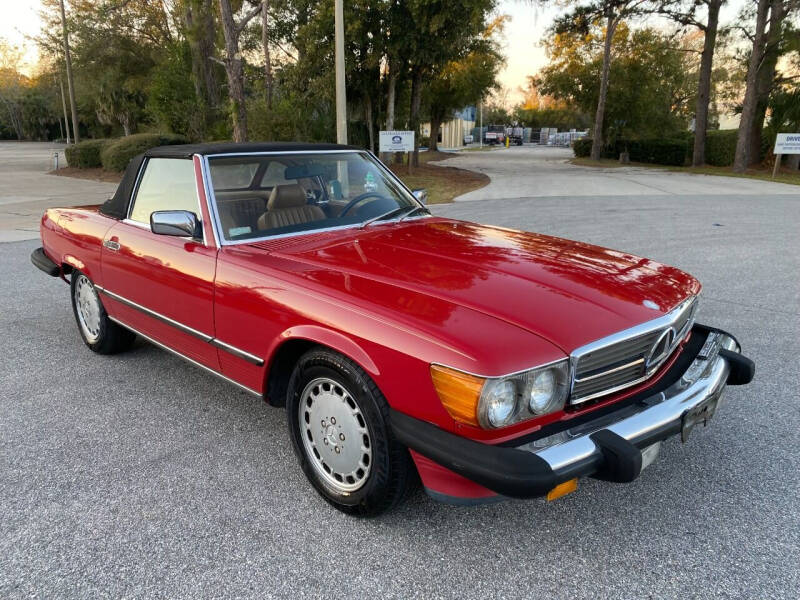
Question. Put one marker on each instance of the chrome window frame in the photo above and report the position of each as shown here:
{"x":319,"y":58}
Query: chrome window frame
{"x":211,"y":197}
{"x":657,"y":324}
{"x":127,"y":220}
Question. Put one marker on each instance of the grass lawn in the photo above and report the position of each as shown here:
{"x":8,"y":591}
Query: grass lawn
{"x":97,"y":174}
{"x":485,"y":148}
{"x":783,"y":176}
{"x":443,"y":183}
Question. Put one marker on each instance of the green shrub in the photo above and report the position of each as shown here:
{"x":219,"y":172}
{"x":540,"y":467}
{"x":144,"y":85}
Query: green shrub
{"x":656,"y":151}
{"x":118,"y":153}
{"x":85,"y":155}
{"x":721,"y":147}
{"x":582,"y":147}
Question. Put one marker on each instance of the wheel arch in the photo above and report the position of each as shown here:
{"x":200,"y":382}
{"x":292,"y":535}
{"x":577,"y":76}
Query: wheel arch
{"x":295,"y":342}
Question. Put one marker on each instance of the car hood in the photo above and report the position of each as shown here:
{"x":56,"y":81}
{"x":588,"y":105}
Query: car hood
{"x":566,"y":292}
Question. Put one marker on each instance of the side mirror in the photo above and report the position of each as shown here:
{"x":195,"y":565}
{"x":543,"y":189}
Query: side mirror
{"x":421,"y":195}
{"x":181,"y":223}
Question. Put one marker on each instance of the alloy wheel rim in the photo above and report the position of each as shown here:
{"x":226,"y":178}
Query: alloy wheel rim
{"x":335,"y":435}
{"x":88,"y":305}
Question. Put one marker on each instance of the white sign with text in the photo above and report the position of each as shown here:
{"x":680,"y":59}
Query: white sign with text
{"x":396,"y":141}
{"x":787,"y":143}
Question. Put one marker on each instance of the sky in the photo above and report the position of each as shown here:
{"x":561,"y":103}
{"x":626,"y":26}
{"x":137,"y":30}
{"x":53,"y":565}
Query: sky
{"x":21,"y":20}
{"x":524,"y":54}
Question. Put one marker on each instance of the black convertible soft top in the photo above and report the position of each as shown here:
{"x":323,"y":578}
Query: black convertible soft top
{"x":117,"y":205}
{"x":187,"y":150}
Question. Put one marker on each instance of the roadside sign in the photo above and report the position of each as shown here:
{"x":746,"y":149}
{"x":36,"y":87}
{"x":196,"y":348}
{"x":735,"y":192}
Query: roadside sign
{"x":396,"y":141}
{"x":787,"y":143}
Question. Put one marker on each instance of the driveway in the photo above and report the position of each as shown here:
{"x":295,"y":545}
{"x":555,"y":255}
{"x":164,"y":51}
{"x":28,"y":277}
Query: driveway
{"x":540,"y":171}
{"x":25,"y":190}
{"x":141,"y":476}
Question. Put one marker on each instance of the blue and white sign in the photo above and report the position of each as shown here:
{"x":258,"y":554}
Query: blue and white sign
{"x":787,"y":143}
{"x":396,"y":141}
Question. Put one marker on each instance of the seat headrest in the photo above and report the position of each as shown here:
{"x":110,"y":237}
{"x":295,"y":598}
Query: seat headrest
{"x":287,"y":196}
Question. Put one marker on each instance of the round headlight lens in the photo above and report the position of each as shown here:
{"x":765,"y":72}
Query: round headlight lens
{"x":500,"y":403}
{"x":542,"y":391}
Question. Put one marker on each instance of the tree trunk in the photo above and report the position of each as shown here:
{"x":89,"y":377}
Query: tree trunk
{"x":267,"y":60}
{"x":704,"y":84}
{"x":208,"y":33}
{"x":742,"y":158}
{"x":765,"y":80}
{"x":391,"y":94}
{"x":194,"y":51}
{"x":436,"y":122}
{"x":597,"y":136}
{"x":200,"y":33}
{"x":70,"y":83}
{"x":233,"y":67}
{"x":64,"y":105}
{"x":370,"y":124}
{"x":12,"y":108}
{"x":416,"y":101}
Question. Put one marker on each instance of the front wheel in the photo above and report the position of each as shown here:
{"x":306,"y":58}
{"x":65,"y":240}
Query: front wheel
{"x":338,"y":422}
{"x":99,"y":332}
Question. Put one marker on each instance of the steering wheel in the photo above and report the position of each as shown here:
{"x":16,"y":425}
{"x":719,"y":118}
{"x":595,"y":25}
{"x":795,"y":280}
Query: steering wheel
{"x":358,"y":199}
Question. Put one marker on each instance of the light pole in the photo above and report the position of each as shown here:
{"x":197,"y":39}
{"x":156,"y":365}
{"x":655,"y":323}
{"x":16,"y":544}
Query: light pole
{"x":341,"y":97}
{"x":480,"y":126}
{"x":70,"y":85}
{"x":64,"y":103}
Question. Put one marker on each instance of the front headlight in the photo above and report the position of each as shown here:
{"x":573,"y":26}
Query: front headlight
{"x":499,"y":401}
{"x":542,"y":391}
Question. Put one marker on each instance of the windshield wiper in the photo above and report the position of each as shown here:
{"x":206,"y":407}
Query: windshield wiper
{"x":411,"y":212}
{"x":383,"y":216}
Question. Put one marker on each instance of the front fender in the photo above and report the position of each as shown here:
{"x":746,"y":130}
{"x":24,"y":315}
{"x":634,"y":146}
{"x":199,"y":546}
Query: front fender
{"x":332,"y":339}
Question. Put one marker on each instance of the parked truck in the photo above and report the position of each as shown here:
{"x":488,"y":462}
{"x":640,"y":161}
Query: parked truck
{"x":495,"y":134}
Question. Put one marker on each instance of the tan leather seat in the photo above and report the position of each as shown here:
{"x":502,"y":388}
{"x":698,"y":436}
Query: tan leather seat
{"x":287,"y":206}
{"x":240,"y":214}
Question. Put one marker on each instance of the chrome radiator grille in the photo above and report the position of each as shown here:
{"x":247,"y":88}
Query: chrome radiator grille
{"x":629,"y":357}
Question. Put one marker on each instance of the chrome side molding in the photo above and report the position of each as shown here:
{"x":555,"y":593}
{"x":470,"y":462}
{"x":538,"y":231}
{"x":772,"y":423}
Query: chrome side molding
{"x":217,"y":343}
{"x":186,"y":358}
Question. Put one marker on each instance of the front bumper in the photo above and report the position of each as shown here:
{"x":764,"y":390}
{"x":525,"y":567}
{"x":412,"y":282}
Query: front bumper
{"x":608,"y":446}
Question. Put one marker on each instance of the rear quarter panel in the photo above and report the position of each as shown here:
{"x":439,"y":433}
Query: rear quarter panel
{"x":74,"y":236}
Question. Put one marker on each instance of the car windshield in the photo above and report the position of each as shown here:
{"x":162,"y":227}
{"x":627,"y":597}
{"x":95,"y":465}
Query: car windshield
{"x":261,"y":195}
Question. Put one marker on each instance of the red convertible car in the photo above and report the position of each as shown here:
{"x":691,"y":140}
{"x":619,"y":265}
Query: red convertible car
{"x":489,"y":362}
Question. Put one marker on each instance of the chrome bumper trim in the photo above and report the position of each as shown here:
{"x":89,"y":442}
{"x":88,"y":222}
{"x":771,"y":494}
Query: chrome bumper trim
{"x":706,"y":377}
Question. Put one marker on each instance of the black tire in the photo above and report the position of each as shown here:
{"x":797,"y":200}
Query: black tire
{"x":110,"y":338}
{"x":391,"y":475}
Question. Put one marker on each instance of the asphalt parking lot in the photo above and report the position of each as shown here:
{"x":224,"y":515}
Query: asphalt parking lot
{"x":138,"y":475}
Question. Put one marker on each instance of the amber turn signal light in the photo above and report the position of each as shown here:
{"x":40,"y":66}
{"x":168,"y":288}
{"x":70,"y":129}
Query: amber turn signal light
{"x":458,"y":392}
{"x":562,"y":489}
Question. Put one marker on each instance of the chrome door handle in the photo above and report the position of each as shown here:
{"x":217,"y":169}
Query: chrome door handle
{"x":111,"y":245}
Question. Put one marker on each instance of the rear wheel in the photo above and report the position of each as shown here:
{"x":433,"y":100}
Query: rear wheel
{"x":338,"y":421}
{"x":99,"y":332}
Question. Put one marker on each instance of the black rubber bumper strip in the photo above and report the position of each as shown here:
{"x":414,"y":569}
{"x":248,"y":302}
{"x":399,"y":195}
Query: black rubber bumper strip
{"x":43,"y":263}
{"x":507,"y":471}
{"x":742,"y":369}
{"x":622,"y":461}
